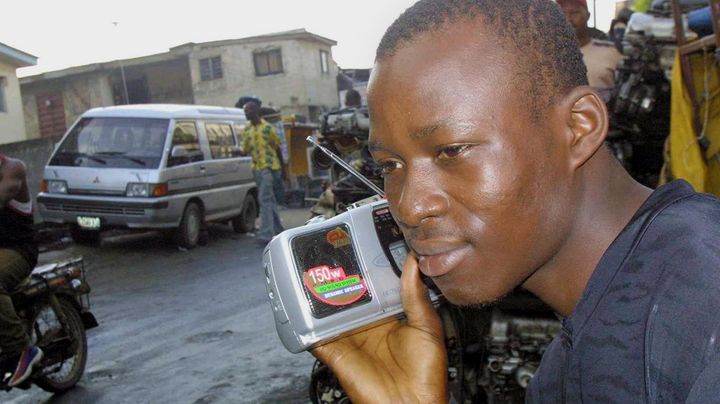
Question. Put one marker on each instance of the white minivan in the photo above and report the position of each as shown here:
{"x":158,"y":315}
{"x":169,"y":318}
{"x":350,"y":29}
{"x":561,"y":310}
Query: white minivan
{"x":154,"y":166}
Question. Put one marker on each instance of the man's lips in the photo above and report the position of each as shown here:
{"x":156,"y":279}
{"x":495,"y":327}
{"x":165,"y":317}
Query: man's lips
{"x":436,"y":258}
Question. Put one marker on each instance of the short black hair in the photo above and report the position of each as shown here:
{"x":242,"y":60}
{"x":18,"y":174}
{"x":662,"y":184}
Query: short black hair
{"x":536,"y":31}
{"x":353,"y":98}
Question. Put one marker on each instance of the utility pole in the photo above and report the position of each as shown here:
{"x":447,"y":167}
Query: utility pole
{"x":122,"y":70}
{"x":594,"y":13}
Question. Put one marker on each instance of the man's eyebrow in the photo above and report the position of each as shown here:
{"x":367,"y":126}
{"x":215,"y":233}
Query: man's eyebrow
{"x":376,"y":146}
{"x":418,"y":134}
{"x":426,"y":131}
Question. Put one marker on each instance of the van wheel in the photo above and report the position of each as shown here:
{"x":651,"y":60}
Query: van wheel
{"x":85,"y":237}
{"x":245,"y":222}
{"x":188,"y":234}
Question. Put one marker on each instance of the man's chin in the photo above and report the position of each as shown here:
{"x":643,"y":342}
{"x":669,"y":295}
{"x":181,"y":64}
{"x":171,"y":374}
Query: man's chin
{"x":471,"y":299}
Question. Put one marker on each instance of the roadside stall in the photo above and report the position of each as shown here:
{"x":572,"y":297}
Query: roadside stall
{"x":693,"y":147}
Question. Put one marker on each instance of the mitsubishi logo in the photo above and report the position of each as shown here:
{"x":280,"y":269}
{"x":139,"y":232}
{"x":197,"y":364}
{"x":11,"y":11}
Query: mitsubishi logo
{"x":96,"y":180}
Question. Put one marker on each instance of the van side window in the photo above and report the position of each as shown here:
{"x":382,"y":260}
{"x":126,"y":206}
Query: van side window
{"x":221,"y":140}
{"x":185,"y":135}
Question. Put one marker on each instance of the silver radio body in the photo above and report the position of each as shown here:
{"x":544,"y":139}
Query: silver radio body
{"x":329,"y":279}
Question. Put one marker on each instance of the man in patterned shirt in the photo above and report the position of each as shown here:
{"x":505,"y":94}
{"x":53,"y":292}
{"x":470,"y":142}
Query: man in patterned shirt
{"x":260,"y":141}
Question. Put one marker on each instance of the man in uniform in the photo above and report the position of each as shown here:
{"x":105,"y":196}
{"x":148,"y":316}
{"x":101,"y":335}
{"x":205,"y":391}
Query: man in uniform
{"x":601,"y":57}
{"x":18,"y":256}
{"x":492,"y":148}
{"x":261,"y":142}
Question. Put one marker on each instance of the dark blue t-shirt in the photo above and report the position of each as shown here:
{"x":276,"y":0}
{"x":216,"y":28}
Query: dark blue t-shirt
{"x":646,"y":328}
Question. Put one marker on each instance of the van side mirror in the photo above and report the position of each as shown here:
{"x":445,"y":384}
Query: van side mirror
{"x":178,"y":151}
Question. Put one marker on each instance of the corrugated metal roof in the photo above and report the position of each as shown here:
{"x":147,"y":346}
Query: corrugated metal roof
{"x":16,"y":56}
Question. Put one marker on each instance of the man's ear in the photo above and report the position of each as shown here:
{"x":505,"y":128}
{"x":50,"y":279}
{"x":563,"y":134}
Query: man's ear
{"x":586,"y":124}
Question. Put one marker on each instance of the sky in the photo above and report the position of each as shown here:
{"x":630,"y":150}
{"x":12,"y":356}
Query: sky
{"x":65,"y":33}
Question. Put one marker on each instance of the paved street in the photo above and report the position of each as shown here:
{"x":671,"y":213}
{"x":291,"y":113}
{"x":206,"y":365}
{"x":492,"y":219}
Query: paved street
{"x":181,"y":326}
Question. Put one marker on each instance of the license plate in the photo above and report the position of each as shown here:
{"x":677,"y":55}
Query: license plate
{"x":88,"y":222}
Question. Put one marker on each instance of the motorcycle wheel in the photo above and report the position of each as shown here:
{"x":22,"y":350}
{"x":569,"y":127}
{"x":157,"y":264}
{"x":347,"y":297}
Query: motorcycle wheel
{"x":64,"y":375}
{"x":325,"y":387}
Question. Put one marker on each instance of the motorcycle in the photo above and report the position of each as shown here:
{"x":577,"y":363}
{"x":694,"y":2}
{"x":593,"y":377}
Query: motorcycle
{"x":345,"y":133}
{"x":639,"y":106}
{"x":53,"y":303}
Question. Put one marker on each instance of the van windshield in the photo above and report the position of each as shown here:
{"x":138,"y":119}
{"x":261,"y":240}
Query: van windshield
{"x":113,"y":142}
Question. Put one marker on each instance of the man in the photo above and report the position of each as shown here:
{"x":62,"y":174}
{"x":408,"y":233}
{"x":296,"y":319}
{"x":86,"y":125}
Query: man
{"x":18,"y":256}
{"x":353,"y":99}
{"x":261,"y":142}
{"x":491,"y":143}
{"x":601,"y":57}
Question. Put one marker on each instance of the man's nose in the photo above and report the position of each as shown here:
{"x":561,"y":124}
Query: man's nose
{"x":422,"y":197}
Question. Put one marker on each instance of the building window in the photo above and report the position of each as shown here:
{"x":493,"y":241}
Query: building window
{"x":211,"y":68}
{"x":324,"y":66}
{"x":3,"y":104}
{"x":268,"y":62}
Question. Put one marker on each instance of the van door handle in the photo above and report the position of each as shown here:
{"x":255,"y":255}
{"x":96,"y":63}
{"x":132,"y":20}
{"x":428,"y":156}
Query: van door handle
{"x":202,"y":168}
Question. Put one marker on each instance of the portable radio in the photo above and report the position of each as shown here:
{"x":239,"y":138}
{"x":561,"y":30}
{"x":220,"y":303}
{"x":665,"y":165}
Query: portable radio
{"x":329,"y":279}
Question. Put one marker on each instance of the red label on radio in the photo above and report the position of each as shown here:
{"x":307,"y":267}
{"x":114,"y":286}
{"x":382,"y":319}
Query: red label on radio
{"x":333,"y":286}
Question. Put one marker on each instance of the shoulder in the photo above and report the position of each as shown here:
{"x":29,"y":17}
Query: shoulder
{"x":681,"y":247}
{"x":681,"y":244}
{"x":12,"y":167}
{"x":685,"y":235}
{"x":268,"y":127}
{"x":604,"y":48}
{"x":687,"y":220}
{"x":602,"y":43}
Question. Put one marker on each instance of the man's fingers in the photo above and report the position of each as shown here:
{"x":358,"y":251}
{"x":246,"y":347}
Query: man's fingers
{"x":415,"y":299}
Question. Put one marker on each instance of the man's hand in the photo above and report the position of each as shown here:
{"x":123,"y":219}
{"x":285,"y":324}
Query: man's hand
{"x":401,"y":361}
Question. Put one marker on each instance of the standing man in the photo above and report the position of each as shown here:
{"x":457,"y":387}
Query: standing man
{"x":600,"y":57}
{"x":261,"y":142}
{"x":492,"y":147}
{"x":18,"y":256}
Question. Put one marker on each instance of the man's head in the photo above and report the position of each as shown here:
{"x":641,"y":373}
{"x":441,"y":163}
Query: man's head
{"x":12,"y":177}
{"x":482,"y":122}
{"x":252,"y":112}
{"x":577,"y":13}
{"x":353,"y":98}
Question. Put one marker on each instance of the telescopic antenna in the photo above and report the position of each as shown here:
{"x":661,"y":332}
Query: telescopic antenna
{"x":347,"y":167}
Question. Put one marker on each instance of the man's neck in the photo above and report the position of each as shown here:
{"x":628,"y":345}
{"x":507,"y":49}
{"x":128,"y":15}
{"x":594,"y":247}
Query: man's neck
{"x":606,"y":204}
{"x":583,"y":36}
{"x":256,"y":122}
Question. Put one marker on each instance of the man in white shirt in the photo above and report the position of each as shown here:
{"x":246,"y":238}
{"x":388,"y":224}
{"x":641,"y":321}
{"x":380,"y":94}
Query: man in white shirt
{"x":600,"y":57}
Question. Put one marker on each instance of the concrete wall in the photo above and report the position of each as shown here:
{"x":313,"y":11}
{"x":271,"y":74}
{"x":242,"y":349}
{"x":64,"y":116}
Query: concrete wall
{"x":12,"y":124}
{"x":80,"y":93}
{"x":35,"y":153}
{"x":169,"y":83}
{"x":300,"y":85}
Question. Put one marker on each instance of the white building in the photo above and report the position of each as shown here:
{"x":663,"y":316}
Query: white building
{"x":292,"y":71}
{"x":12,"y":124}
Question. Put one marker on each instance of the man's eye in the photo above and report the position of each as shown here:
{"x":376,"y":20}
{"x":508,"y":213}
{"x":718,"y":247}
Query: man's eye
{"x":450,"y":152}
{"x":388,"y":167}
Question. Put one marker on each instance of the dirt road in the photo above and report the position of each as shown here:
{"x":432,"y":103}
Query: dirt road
{"x":182,"y":326}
